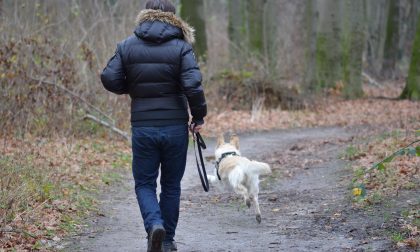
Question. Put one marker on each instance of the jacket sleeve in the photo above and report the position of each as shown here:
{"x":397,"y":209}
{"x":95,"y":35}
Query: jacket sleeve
{"x":113,"y":75}
{"x":191,"y":85}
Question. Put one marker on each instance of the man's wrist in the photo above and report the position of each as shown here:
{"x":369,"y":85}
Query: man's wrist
{"x":198,"y":121}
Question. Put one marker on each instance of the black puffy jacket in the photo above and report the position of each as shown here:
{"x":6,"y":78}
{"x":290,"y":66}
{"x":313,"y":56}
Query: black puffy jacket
{"x":156,"y":66}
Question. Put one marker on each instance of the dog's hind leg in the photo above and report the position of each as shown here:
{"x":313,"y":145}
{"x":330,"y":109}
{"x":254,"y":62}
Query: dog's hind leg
{"x":257,"y":207}
{"x":253,"y":195}
{"x":248,"y":201}
{"x":236,"y":178}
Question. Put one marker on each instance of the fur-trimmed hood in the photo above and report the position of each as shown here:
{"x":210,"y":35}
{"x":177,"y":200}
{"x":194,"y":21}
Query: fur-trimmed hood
{"x":149,"y":15}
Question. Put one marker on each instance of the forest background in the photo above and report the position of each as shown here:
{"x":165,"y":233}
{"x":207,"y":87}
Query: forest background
{"x":267,"y":64}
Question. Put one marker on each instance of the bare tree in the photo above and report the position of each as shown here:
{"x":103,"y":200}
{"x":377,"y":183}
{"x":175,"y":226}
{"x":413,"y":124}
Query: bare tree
{"x":193,"y":12}
{"x":256,"y":12}
{"x":336,"y":58}
{"x":408,"y":14}
{"x":412,"y":87}
{"x":327,"y":53}
{"x":352,"y":43}
{"x":217,"y":36}
{"x":376,"y":15}
{"x":391,"y":41}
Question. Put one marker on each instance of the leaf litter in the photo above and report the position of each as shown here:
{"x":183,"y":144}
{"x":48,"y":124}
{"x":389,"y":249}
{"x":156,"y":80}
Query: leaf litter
{"x":73,"y":167}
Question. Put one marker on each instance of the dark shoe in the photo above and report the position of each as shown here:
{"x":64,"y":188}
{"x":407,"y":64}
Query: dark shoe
{"x":169,"y":246}
{"x":155,"y":238}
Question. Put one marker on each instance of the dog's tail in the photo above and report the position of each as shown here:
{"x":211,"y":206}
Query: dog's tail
{"x":260,"y":168}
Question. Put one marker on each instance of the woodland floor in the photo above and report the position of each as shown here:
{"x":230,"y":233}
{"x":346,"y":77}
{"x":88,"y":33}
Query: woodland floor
{"x":76,"y":193}
{"x":305,"y":204}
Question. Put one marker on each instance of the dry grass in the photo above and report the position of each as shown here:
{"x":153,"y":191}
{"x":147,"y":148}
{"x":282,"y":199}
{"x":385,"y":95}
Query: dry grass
{"x":377,"y":186}
{"x":46,"y":185}
{"x":398,"y":113}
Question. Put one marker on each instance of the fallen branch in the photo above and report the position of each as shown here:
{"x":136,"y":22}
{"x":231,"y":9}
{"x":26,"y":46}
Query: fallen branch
{"x":108,"y":125}
{"x":370,"y":79}
{"x":74,"y":95}
{"x":31,"y":210}
{"x":402,"y":151}
{"x":18,"y":231}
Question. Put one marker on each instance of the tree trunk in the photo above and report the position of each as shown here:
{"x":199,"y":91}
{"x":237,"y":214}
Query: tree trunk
{"x":217,"y":36}
{"x":412,"y":86}
{"x":391,"y":41}
{"x":407,"y":29}
{"x":339,"y":42}
{"x":271,"y":38}
{"x":256,"y":24}
{"x":310,"y":55}
{"x":246,"y":24}
{"x":238,"y":26}
{"x":193,"y":13}
{"x":352,"y":44}
{"x":327,"y":53}
{"x":376,"y":32}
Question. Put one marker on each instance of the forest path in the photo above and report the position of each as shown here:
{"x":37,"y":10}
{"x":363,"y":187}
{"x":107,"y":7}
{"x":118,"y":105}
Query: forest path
{"x":304,"y":204}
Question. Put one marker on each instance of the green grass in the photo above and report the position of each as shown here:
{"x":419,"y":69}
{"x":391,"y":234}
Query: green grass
{"x":122,"y":160}
{"x":350,"y":153}
{"x":68,"y":223}
{"x":397,"y":237}
{"x":376,"y":198}
{"x":111,"y":177}
{"x":390,"y":134}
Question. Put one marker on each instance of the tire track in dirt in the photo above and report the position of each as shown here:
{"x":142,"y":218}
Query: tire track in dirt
{"x":308,"y":211}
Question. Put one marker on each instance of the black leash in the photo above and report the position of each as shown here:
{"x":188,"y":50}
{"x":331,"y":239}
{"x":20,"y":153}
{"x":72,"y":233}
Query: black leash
{"x":201,"y":170}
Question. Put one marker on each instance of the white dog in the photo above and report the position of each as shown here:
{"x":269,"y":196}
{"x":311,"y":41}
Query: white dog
{"x":239,"y":172}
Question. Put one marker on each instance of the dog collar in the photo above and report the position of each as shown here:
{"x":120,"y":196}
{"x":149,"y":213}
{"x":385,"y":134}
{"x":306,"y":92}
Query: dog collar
{"x":232,"y":153}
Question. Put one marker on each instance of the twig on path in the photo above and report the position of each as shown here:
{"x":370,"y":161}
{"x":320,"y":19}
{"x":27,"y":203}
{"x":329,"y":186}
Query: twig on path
{"x":108,"y":125}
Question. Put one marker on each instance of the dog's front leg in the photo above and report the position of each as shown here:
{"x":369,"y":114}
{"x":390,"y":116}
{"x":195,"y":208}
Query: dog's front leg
{"x":241,"y":190}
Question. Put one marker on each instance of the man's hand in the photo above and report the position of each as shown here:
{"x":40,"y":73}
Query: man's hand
{"x":195,"y":128}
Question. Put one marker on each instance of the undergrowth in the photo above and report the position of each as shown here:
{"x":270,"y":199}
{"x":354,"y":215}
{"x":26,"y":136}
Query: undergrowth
{"x":48,"y":185}
{"x":389,"y":166}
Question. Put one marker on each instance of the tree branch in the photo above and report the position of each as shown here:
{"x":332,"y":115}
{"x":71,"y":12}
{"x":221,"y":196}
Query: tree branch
{"x":106,"y":124}
{"x":393,"y":154}
{"x":370,"y":79}
{"x":41,"y":80}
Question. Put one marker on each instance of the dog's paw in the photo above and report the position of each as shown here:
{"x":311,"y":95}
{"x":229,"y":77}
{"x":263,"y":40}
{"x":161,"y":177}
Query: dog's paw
{"x":248,"y":203}
{"x":258,"y":217}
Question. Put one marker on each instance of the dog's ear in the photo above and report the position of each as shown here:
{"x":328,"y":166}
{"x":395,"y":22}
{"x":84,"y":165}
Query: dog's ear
{"x":234,"y":140}
{"x":220,"y":140}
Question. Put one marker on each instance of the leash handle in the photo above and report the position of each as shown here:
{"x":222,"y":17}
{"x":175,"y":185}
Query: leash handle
{"x":201,"y":170}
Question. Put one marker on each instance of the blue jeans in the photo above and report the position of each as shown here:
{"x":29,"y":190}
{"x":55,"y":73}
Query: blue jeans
{"x":165,"y":146}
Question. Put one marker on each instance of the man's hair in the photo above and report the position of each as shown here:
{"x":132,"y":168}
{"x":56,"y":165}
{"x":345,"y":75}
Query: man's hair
{"x":163,"y":5}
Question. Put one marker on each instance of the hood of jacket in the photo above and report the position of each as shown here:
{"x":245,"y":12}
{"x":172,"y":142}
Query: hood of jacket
{"x":158,"y":26}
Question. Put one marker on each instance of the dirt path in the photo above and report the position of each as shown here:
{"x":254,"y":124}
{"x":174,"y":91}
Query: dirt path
{"x":304,"y":204}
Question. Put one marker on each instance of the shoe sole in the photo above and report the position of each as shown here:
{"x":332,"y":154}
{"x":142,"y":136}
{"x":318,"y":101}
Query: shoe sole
{"x":157,"y":237}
